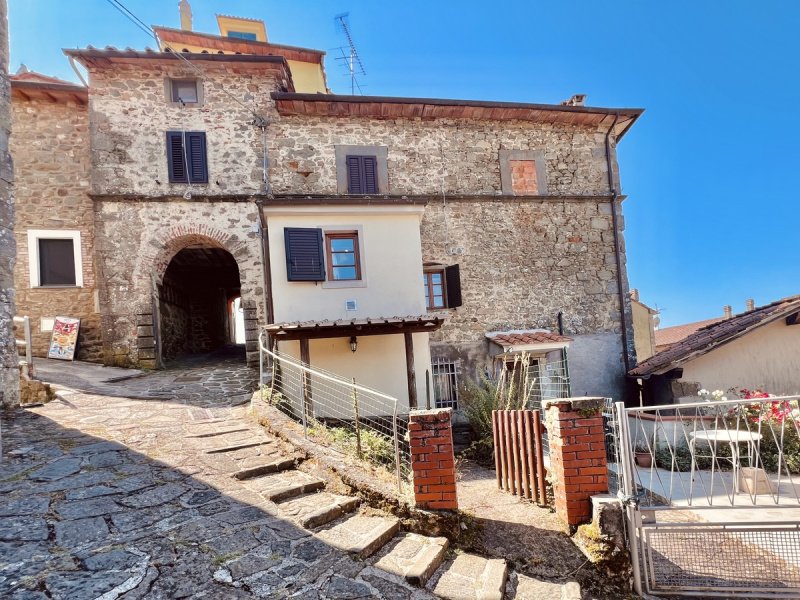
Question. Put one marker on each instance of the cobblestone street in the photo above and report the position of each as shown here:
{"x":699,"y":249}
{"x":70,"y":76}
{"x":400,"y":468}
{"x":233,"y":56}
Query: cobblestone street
{"x":108,"y":497}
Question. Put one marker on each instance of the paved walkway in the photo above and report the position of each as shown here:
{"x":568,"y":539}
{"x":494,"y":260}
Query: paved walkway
{"x":122,"y":498}
{"x":202,"y":379}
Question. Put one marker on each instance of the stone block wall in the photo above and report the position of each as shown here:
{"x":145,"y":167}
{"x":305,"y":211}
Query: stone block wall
{"x":51,"y":152}
{"x":460,"y":156}
{"x":130,"y":115}
{"x":9,"y":373}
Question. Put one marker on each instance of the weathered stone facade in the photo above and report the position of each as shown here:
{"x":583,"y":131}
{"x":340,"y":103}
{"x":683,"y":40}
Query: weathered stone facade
{"x":459,"y":156}
{"x":9,"y":375}
{"x":51,"y":151}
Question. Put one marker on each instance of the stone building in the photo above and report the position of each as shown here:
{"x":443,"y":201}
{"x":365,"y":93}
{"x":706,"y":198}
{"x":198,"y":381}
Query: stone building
{"x":9,"y":376}
{"x":221,"y":170}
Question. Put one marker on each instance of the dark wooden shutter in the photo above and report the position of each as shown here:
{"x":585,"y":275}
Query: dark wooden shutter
{"x":176,"y":161}
{"x":354,"y":180}
{"x":370,"y":174}
{"x":198,"y":167}
{"x":452,"y":278}
{"x":304,"y":254}
{"x":362,"y":175}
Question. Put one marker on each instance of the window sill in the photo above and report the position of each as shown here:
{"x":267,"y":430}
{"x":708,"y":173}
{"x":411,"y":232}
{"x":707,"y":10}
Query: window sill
{"x":56,"y":287}
{"x":332,"y":285}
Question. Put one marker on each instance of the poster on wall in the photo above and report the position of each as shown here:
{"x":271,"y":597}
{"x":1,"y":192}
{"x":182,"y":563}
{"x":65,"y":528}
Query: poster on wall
{"x":64,"y":339}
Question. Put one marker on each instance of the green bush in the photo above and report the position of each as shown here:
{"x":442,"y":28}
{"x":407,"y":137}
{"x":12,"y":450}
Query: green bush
{"x":375,"y":447}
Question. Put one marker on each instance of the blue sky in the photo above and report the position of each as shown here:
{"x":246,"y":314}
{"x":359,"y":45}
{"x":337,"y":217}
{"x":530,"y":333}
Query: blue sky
{"x":710,"y":215}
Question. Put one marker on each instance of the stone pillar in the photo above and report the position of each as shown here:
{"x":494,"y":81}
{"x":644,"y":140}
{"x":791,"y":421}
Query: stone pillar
{"x":9,"y":359}
{"x":432,"y":459}
{"x":578,"y":467}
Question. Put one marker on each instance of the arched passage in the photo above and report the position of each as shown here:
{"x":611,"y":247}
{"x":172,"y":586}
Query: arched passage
{"x":196,"y":301}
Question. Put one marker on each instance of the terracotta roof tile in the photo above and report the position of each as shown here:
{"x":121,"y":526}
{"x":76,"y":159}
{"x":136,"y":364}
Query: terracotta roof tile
{"x":527,"y":337}
{"x":710,"y":336}
{"x":670,"y":335}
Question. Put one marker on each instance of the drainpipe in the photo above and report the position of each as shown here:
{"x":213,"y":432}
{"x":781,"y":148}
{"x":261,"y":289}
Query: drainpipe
{"x":265,"y":255}
{"x":617,"y":252}
{"x":564,"y":357}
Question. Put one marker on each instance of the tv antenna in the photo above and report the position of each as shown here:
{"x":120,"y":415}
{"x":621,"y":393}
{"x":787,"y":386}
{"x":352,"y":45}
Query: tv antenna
{"x":350,"y":55}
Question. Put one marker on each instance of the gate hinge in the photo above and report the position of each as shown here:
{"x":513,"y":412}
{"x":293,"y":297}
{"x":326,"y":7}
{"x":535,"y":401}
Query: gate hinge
{"x":628,"y":500}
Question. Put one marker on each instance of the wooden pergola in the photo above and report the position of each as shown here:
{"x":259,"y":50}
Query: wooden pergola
{"x":345,"y":328}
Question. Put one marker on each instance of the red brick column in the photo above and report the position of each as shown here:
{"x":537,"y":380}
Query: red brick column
{"x":578,"y":468}
{"x":432,"y":459}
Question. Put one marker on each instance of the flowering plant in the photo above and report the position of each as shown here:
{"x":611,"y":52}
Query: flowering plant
{"x":776,"y":410}
{"x":716,"y":395}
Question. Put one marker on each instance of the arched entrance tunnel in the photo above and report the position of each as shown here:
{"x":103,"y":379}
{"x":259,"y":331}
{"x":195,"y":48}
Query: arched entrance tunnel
{"x":199,"y":303}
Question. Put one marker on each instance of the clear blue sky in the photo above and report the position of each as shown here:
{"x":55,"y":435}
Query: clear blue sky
{"x":711,"y":213}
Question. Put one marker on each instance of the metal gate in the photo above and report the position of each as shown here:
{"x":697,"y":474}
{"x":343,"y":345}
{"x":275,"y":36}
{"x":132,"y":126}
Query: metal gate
{"x":712,"y":496}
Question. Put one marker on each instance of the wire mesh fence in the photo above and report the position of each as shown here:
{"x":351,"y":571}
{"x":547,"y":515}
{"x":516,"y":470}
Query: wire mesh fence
{"x":724,"y":453}
{"x":338,"y":412}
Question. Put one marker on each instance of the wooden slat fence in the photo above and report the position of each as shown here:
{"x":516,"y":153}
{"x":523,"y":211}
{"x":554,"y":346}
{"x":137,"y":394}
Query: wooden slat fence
{"x":518,"y":453}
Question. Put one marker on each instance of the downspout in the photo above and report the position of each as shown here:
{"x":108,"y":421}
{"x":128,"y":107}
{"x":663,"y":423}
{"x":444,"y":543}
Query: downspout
{"x":266,"y":262}
{"x":564,"y":357}
{"x":617,"y":252}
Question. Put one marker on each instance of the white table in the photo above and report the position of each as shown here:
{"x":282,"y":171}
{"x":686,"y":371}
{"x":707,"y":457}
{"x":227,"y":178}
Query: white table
{"x":733,"y":437}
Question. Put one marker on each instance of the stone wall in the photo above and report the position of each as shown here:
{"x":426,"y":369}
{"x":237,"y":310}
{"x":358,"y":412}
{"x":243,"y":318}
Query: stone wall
{"x":9,"y":374}
{"x":424,"y":156}
{"x":51,"y":152}
{"x":523,"y":262}
{"x":130,"y":115}
{"x":135,"y":242}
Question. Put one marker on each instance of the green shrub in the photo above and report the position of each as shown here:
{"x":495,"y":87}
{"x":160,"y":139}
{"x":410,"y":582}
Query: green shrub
{"x":375,"y":447}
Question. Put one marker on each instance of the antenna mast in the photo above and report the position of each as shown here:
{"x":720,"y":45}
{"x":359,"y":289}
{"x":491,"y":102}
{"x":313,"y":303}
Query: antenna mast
{"x":350,"y":54}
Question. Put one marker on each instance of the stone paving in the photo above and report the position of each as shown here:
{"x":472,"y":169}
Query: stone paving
{"x":119,"y":498}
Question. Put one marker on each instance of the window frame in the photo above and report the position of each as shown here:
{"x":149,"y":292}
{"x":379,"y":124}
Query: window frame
{"x":426,"y":274}
{"x":329,"y":266}
{"x":170,"y":88}
{"x":381,"y":155}
{"x":442,"y":368}
{"x":34,"y":265}
{"x":185,"y":137}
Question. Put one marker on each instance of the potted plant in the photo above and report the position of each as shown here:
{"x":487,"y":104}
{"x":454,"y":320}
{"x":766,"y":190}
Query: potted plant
{"x":642,"y":455}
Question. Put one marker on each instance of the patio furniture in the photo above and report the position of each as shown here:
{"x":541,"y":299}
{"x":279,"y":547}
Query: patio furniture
{"x":734,"y":437}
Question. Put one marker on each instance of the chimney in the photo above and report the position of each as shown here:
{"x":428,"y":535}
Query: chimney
{"x":576,"y":100}
{"x":635,"y":295}
{"x":727,"y":311}
{"x":750,"y":304}
{"x":186,"y":15}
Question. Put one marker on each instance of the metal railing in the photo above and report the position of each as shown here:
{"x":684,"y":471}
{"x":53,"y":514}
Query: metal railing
{"x":25,"y":342}
{"x":718,"y":454}
{"x":337,"y":412}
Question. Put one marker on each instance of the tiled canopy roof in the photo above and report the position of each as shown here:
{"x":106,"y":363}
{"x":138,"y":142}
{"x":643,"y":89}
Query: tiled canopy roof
{"x":671,"y":335}
{"x":524,"y":338}
{"x":355,"y":327}
{"x":711,"y":336}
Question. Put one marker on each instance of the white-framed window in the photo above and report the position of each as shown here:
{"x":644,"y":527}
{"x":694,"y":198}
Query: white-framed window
{"x":54,"y":258}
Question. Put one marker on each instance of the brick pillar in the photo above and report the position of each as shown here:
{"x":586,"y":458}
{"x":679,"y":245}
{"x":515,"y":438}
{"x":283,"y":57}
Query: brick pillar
{"x":432,"y":459}
{"x":578,"y":468}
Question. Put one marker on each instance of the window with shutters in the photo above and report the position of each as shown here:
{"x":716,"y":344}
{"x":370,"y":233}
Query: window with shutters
{"x":362,"y":169}
{"x":442,"y":285}
{"x":54,"y":258}
{"x":304,"y":254}
{"x":362,"y":174}
{"x":343,"y":260}
{"x":186,"y":157}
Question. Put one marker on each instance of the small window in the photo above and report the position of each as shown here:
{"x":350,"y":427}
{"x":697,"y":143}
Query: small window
{"x":434,"y":289}
{"x":185,"y":91}
{"x":243,"y":35}
{"x":54,"y":258}
{"x":186,"y":157}
{"x":442,"y":287}
{"x":342,"y":254}
{"x":445,"y":384}
{"x":362,"y":174}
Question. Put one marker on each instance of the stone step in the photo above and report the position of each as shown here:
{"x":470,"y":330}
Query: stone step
{"x":271,"y":465}
{"x":361,"y":535}
{"x":315,"y":510}
{"x":285,"y":485}
{"x":529,"y":588}
{"x":414,"y":557}
{"x":240,"y":446}
{"x":212,"y":434}
{"x":472,"y":577}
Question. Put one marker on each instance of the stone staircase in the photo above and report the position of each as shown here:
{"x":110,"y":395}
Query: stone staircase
{"x":254,"y":459}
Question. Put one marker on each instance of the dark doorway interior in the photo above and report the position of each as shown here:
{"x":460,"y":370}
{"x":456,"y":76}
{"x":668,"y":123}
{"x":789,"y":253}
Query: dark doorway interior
{"x":195,"y":300}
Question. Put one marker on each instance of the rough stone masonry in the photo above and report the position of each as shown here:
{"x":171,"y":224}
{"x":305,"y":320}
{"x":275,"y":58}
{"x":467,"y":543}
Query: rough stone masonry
{"x":9,"y":376}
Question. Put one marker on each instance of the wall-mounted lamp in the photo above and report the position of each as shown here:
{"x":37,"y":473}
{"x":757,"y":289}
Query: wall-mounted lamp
{"x":353,"y":343}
